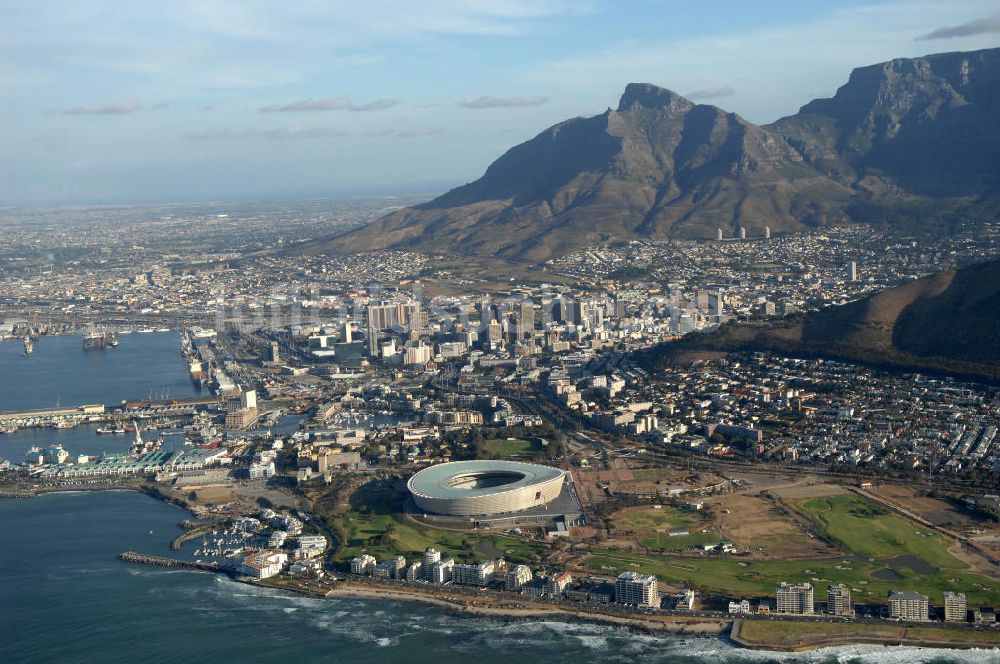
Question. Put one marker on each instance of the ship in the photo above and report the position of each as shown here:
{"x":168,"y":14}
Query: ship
{"x":96,"y":340}
{"x":29,"y":347}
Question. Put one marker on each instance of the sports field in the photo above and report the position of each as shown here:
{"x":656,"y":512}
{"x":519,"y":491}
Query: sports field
{"x":500,"y":448}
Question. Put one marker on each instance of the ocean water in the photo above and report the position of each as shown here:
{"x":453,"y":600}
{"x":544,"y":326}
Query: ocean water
{"x":65,"y":597}
{"x":61,"y":372}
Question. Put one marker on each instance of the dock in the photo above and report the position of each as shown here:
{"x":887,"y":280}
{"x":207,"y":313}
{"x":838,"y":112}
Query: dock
{"x":161,"y":561}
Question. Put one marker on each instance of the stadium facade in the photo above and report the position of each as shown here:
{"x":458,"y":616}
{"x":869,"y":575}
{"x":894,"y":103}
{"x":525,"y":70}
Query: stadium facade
{"x":484,"y":488}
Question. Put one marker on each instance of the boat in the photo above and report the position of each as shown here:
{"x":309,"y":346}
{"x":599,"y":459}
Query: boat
{"x":106,"y":430}
{"x":29,"y":347}
{"x":96,"y":340}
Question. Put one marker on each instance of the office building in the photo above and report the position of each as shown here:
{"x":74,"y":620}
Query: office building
{"x":852,"y":271}
{"x":634,"y":589}
{"x":395,"y":315}
{"x":838,"y":600}
{"x":956,"y":609}
{"x":796,"y":600}
{"x":908,"y":605}
{"x":526,"y":319}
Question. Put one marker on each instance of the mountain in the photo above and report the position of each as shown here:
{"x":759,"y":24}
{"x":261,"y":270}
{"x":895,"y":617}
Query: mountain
{"x":661,"y":166}
{"x":948,"y":321}
{"x":928,"y":126}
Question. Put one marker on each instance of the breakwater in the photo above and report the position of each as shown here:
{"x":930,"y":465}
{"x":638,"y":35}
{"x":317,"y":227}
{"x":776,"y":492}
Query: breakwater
{"x":161,"y":561}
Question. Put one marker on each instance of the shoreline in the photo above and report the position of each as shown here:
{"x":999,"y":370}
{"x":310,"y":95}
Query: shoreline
{"x":722,"y":628}
{"x":514,"y":610}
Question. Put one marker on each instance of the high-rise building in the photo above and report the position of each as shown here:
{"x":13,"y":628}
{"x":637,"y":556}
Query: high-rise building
{"x":431,"y":558}
{"x":346,"y":337}
{"x":526,"y":319}
{"x":394,"y":315}
{"x":718,"y":234}
{"x":517,"y":576}
{"x":743,"y":233}
{"x":908,"y":605}
{"x":634,"y":589}
{"x":767,"y":232}
{"x":274,"y":352}
{"x":838,"y":600}
{"x":956,"y":609}
{"x":794,"y":599}
{"x":852,"y":271}
{"x":249,"y":399}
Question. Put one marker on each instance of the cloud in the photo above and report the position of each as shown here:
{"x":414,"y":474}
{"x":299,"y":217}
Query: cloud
{"x":413,"y":133}
{"x":116,"y":108}
{"x":712,"y":93}
{"x":269,"y":133}
{"x":503,"y":102}
{"x":980,"y":26}
{"x":329,"y":104}
{"x":377,"y":105}
{"x":162,"y":104}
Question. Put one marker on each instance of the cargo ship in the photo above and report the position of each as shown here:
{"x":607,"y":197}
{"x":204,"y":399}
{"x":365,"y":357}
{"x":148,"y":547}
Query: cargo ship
{"x":95,"y":340}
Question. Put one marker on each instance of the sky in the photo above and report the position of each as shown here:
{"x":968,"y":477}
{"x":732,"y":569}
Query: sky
{"x":137,"y":101}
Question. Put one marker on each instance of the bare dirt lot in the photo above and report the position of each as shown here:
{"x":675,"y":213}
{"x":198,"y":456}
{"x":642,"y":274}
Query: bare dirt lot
{"x":938,"y":511}
{"x":762,"y":526}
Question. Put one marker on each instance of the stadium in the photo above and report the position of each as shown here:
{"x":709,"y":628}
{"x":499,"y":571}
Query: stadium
{"x":484,"y":488}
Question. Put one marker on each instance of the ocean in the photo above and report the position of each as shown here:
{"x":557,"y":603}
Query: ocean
{"x":65,"y":597}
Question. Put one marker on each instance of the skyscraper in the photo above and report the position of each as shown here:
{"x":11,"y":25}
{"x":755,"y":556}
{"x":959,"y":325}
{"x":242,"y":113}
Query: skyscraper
{"x":526,"y":319}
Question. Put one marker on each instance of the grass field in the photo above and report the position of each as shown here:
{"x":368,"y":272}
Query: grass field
{"x":499,"y":448}
{"x":727,"y":576}
{"x":778,"y":633}
{"x":384,"y":535}
{"x":872,"y":531}
{"x":652,"y":527}
{"x":869,"y":535}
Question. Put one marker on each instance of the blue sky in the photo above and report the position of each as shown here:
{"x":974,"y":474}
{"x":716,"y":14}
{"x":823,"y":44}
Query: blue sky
{"x":137,"y":101}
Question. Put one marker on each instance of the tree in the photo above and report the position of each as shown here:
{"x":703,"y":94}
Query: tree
{"x":193,"y":496}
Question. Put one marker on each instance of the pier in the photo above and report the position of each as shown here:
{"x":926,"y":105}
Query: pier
{"x":161,"y":561}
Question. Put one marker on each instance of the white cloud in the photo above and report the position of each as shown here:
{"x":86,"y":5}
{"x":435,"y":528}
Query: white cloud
{"x":503,"y":102}
{"x":114,"y":108}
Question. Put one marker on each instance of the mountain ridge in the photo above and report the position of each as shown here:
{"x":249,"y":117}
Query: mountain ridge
{"x":662,"y":166}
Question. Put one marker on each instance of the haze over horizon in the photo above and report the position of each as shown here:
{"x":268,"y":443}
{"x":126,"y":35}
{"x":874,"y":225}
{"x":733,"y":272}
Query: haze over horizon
{"x":113,"y":102}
